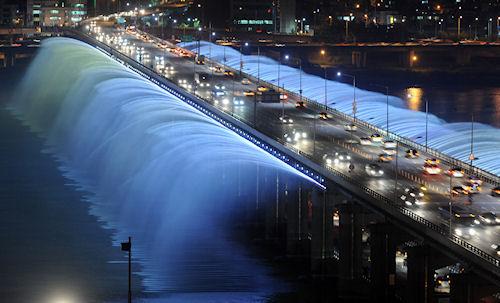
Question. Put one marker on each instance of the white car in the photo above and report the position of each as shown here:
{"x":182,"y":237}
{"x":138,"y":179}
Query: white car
{"x":389,"y":144}
{"x":220,"y":86}
{"x":374,"y":170}
{"x":286,"y":120}
{"x":238,"y":101}
{"x":337,"y":158}
{"x":350,"y":127}
{"x":295,"y":136}
{"x":365,"y":141}
{"x":245,"y":81}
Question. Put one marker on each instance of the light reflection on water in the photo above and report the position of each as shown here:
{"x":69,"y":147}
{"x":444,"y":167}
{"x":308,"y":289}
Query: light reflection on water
{"x":456,"y":104}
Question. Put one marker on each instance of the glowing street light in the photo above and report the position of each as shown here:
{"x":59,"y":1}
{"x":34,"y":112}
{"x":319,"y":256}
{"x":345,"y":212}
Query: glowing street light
{"x":354,"y":105}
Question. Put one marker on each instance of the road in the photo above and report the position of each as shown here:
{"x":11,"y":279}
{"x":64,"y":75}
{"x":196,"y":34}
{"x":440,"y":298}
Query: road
{"x":323,"y":137}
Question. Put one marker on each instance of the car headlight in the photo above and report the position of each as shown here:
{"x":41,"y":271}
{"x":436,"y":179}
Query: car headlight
{"x":487,"y":220}
{"x":458,"y":232}
{"x":472,"y":232}
{"x":476,"y":221}
{"x":381,"y":172}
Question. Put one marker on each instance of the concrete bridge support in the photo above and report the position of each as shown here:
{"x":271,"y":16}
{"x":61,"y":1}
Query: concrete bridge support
{"x":383,"y":262}
{"x":350,"y":264}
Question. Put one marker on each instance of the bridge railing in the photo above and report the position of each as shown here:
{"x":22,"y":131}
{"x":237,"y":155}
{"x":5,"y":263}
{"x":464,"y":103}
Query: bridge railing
{"x":407,"y":142}
{"x":375,"y":195}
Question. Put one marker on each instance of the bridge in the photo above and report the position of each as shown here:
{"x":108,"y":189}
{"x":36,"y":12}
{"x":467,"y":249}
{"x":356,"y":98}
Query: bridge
{"x":330,"y":220}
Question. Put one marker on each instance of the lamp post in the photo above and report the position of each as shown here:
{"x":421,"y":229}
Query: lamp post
{"x":299,"y":60}
{"x":458,"y":27}
{"x":354,"y":105}
{"x":323,"y":52}
{"x":386,"y":106}
{"x":450,"y":203}
{"x":471,"y":156}
{"x":241,"y":57}
{"x":258,"y":64}
{"x":426,"y":120}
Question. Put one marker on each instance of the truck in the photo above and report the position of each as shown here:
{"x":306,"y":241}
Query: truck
{"x":269,"y":96}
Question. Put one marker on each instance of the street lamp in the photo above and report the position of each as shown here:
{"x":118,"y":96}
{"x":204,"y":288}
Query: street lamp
{"x":241,"y":57}
{"x":354,"y":105}
{"x":323,"y":52}
{"x":386,"y":105}
{"x":426,"y":119}
{"x":300,"y":76}
{"x":458,"y":28}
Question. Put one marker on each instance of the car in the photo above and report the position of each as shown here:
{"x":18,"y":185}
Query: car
{"x":342,"y":156}
{"x":474,"y":180}
{"x":412,"y":154}
{"x":218,"y":92}
{"x":376,"y":138}
{"x":384,"y":158}
{"x":249,"y":93}
{"x":337,"y":158}
{"x":374,"y":170}
{"x":432,"y":169}
{"x":496,"y":249}
{"x":495,"y":192}
{"x":412,"y":195}
{"x":489,"y":218}
{"x":473,"y":188}
{"x":286,"y":120}
{"x":389,"y":144}
{"x":262,"y":88}
{"x":295,"y":136}
{"x":365,"y":141}
{"x":455,"y":172}
{"x":351,"y":127}
{"x":458,"y":213}
{"x":432,"y":161}
{"x":323,"y":116}
{"x":219,"y":86}
{"x":245,"y":81}
{"x":283,"y":96}
{"x":229,"y":73}
{"x":389,"y":151}
{"x":218,"y":69}
{"x":300,"y":104}
{"x":459,"y":190}
{"x":466,"y":228}
{"x":238,"y":101}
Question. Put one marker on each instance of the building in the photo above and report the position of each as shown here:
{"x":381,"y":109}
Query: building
{"x":263,"y":15}
{"x":287,"y":16}
{"x":56,"y":13}
{"x":254,"y":16}
{"x":11,"y":14}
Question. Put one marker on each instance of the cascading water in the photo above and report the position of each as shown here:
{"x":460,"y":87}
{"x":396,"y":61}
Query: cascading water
{"x":450,"y":138}
{"x":158,"y":170}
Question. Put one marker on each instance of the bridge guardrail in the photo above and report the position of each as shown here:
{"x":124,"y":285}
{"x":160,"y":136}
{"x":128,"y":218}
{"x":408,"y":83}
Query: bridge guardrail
{"x":428,"y":224}
{"x":450,"y":161}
